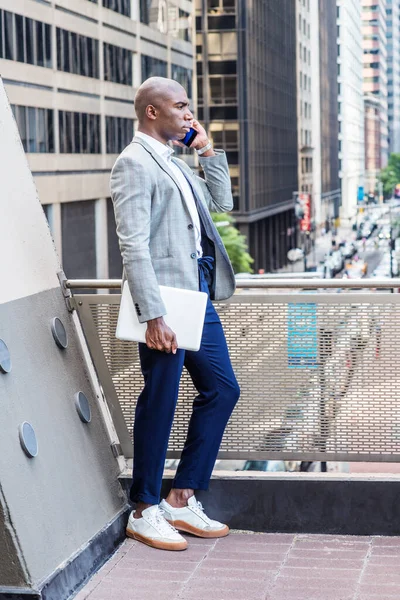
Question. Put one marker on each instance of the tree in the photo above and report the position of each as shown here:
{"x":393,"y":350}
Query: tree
{"x":234,"y":242}
{"x":390,"y":175}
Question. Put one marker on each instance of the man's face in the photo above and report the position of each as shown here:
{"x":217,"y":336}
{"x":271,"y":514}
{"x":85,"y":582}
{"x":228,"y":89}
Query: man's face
{"x":174,"y":117}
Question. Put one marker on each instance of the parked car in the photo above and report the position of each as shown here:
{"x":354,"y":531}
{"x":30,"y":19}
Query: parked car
{"x":337,"y":261}
{"x":355,"y":269}
{"x":348,"y":249}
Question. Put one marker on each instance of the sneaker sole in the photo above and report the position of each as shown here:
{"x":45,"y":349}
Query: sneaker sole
{"x":156,"y":544}
{"x":187,"y":528}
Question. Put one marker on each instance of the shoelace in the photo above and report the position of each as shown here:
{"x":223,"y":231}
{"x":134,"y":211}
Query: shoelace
{"x":198,"y":509}
{"x":160,"y":523}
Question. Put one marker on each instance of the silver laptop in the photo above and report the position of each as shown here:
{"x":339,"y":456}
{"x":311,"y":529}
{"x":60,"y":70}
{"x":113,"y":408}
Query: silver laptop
{"x":185,"y":316}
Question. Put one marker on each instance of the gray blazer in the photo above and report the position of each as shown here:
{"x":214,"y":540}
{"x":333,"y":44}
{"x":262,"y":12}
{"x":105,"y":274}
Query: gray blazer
{"x":156,"y":237}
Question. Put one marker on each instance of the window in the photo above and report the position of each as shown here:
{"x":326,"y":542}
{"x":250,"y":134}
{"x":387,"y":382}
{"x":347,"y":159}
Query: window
{"x":120,"y":6}
{"x":77,"y":53}
{"x":25,"y":40}
{"x":227,"y":139}
{"x":184,"y":77}
{"x":222,"y":67}
{"x":223,"y":112}
{"x":200,"y":96}
{"x":223,"y":90}
{"x":154,"y":13}
{"x":221,"y":6}
{"x":35,"y":127}
{"x":79,"y":239}
{"x":117,"y":64}
{"x":220,"y":22}
{"x":119,"y":133}
{"x":79,"y":133}
{"x":153,"y":67}
{"x":222,"y":44}
{"x":180,"y":24}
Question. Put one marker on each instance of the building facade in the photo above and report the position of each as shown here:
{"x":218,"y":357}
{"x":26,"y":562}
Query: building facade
{"x":393,"y":63}
{"x":373,"y":110}
{"x":328,"y":114}
{"x":376,"y":81}
{"x":305,"y":80}
{"x":350,"y":106}
{"x":71,"y":71}
{"x":246,"y":82}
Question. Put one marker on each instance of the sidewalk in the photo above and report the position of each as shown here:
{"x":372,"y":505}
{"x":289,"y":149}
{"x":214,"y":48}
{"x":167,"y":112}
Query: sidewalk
{"x":246,"y":566}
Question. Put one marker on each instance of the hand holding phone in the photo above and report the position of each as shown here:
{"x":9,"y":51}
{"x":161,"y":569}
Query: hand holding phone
{"x":189,"y":137}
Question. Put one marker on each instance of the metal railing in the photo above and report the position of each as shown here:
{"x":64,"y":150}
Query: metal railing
{"x":319,"y":372}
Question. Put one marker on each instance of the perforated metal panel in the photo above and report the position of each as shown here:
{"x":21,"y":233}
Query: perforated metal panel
{"x":319,"y":375}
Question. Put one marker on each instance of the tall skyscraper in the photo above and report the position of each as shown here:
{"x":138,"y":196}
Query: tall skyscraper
{"x":350,"y":105}
{"x":71,"y":73}
{"x":393,"y":63}
{"x":328,"y":113}
{"x":246,"y":81}
{"x":375,"y":82}
{"x":305,"y":78}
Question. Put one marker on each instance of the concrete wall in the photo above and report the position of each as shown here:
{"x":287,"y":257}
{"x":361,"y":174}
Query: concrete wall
{"x":54,"y":504}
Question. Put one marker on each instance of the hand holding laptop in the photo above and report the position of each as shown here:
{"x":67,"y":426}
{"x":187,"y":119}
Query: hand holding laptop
{"x":160,"y":337}
{"x":181,"y":326}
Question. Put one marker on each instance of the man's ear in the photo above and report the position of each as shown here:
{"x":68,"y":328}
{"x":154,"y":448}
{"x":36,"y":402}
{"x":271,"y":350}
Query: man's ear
{"x":151,"y":112}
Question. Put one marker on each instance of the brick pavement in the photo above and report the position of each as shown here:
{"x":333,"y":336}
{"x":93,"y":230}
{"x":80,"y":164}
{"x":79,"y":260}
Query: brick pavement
{"x":247,"y":566}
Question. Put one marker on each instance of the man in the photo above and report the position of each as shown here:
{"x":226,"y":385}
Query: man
{"x":167,"y":237}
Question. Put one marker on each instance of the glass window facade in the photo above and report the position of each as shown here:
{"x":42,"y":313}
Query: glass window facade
{"x":180,"y":23}
{"x":119,"y":133}
{"x":248,"y":100}
{"x":329,"y":99}
{"x":77,"y":54}
{"x":153,"y":67}
{"x":79,"y":133}
{"x":78,"y":239}
{"x":123,"y":7}
{"x":25,"y":40}
{"x":184,"y":77}
{"x":36,"y":128}
{"x":117,"y":64}
{"x":154,"y":13}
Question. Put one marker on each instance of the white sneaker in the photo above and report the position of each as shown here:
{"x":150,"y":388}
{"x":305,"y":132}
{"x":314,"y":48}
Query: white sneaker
{"x":193,"y":519}
{"x":152,"y":529}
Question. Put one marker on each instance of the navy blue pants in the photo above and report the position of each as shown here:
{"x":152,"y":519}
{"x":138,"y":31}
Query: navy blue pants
{"x":218,"y":391}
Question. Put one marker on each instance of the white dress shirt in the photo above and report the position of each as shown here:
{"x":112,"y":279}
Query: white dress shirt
{"x":165,"y":152}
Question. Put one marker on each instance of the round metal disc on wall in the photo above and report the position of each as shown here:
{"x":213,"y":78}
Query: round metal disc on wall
{"x":28,"y":439}
{"x":59,"y":333}
{"x":5,"y":358}
{"x":83,"y":407}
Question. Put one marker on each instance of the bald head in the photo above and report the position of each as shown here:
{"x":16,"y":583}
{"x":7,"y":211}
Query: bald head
{"x":154,"y":91}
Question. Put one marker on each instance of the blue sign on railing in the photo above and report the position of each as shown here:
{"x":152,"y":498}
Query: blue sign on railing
{"x":302,"y":336}
{"x":360,"y":193}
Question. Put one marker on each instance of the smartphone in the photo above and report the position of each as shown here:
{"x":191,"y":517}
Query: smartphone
{"x":189,"y":137}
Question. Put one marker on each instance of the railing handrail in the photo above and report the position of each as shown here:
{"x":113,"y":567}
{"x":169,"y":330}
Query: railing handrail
{"x":264,"y":283}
